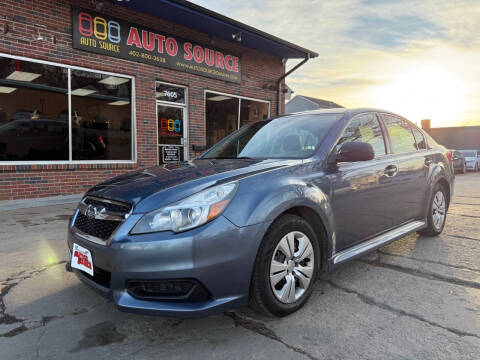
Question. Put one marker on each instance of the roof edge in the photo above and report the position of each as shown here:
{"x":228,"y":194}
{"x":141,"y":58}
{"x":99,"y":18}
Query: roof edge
{"x":215,"y":15}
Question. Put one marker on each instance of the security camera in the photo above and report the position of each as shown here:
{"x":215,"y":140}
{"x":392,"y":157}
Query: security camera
{"x":237,"y":36}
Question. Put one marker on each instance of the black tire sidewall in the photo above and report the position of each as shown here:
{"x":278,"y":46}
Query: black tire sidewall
{"x":431,"y":227}
{"x":281,"y":227}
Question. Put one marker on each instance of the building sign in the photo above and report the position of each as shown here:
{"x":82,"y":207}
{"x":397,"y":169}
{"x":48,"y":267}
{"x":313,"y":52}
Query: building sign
{"x":102,"y":34}
{"x":171,"y":154}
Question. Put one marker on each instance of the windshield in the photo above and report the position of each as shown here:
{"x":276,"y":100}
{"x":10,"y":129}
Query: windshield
{"x":469,"y":153}
{"x":288,"y":137}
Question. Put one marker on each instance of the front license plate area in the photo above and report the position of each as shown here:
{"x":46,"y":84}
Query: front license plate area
{"x":82,"y":259}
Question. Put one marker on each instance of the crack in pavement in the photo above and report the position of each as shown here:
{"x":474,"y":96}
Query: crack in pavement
{"x":464,"y":215}
{"x":463,"y":237}
{"x":423,"y":274}
{"x":371,"y":301}
{"x":460,"y":203}
{"x":5,"y":318}
{"x":260,"y":328}
{"x":460,"y":267}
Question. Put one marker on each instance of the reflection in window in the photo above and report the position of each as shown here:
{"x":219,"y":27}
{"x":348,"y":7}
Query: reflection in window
{"x":32,"y":99}
{"x":101,"y":116}
{"x":419,"y":139}
{"x":364,"y":128}
{"x":221,"y":117}
{"x":401,"y":136}
{"x":251,"y":111}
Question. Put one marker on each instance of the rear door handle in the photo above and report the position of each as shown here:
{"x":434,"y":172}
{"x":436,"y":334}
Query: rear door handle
{"x":391,"y":170}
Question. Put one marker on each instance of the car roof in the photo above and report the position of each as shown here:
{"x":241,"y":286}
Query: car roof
{"x":349,"y":111}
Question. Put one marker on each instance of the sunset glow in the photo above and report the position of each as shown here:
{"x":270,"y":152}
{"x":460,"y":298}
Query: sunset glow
{"x":419,"y":59}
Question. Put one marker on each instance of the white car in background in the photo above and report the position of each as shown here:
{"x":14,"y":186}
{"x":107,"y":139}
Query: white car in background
{"x":472,"y":159}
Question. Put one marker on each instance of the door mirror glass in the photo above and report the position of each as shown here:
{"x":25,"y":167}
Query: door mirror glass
{"x":355,"y":151}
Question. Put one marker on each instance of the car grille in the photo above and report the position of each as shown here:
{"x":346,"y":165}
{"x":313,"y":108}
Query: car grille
{"x":100,"y":227}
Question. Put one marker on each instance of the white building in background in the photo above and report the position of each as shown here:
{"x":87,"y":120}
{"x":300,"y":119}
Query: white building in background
{"x":305,"y":103}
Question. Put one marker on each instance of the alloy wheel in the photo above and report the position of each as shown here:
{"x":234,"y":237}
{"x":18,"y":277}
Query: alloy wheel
{"x":291,"y":267}
{"x":438,"y":210}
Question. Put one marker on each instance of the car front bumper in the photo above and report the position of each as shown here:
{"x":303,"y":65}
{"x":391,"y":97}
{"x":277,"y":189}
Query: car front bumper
{"x":218,"y":255}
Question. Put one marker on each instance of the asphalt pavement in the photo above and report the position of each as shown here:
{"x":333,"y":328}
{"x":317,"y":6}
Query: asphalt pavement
{"x":417,"y":298}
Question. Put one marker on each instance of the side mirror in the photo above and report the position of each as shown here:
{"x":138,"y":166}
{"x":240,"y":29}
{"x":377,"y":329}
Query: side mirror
{"x":355,"y":151}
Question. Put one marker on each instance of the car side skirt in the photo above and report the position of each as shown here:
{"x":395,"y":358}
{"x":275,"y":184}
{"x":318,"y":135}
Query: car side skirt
{"x":375,"y":243}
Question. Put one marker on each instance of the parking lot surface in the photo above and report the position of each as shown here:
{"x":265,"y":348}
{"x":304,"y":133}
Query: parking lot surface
{"x":418,"y":298}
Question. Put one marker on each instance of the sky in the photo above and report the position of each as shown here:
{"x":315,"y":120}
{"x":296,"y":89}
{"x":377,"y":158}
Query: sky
{"x":418,"y":58}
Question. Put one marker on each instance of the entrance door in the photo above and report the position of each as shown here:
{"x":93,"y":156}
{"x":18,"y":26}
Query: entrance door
{"x":171,"y":139}
{"x":172,"y":123}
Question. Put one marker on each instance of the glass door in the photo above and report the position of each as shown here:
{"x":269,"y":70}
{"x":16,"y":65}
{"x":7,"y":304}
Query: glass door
{"x":172,"y":123}
{"x":171,"y":140}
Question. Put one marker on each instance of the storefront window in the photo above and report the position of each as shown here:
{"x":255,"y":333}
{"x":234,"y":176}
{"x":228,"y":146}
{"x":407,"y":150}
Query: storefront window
{"x":33,"y":98}
{"x":252,"y":111}
{"x":224,"y":114}
{"x":35,"y":113}
{"x":221,"y":117}
{"x":101,"y":116}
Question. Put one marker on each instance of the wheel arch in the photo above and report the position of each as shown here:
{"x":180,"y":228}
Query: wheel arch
{"x":317,"y":223}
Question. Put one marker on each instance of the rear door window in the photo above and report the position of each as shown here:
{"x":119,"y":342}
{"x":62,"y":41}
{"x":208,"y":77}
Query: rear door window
{"x":401,"y":135}
{"x":419,"y":139}
{"x":364,"y":128}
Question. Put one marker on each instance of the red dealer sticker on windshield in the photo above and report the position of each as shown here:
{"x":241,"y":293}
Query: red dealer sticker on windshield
{"x":82,"y":259}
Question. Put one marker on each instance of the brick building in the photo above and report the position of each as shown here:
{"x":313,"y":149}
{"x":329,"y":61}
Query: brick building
{"x":93,"y":89}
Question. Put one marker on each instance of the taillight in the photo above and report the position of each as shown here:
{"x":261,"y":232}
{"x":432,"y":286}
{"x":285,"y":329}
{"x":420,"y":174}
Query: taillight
{"x":100,"y":139}
{"x":450,"y":156}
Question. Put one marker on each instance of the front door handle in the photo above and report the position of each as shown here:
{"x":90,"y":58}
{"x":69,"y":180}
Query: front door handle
{"x":391,"y":170}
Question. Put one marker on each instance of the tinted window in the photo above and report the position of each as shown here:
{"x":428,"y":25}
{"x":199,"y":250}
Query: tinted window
{"x":285,"y":137}
{"x":32,"y":97}
{"x":400,"y":134}
{"x":419,"y":139}
{"x":364,"y":128}
{"x":101,"y":116}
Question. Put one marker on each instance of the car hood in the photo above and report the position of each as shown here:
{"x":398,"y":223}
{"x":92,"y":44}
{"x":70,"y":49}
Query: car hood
{"x":151,"y":188}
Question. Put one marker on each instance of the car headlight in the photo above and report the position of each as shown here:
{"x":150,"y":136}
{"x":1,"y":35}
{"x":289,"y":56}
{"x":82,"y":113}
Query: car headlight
{"x":188,"y":213}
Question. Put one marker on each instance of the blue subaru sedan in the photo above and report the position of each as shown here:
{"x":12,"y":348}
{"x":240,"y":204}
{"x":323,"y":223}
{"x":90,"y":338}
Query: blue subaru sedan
{"x":255,"y":218}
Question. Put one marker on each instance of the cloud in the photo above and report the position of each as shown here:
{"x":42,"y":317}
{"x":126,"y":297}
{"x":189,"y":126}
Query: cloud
{"x":372,"y":49}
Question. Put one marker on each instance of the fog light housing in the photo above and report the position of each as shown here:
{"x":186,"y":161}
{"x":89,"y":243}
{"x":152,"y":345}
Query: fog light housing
{"x":186,"y":290}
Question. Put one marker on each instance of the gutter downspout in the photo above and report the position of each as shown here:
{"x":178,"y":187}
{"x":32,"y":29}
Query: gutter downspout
{"x":283,"y":77}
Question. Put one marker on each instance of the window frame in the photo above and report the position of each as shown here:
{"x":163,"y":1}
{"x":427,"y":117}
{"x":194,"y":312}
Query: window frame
{"x":239,"y":97}
{"x":387,"y":134}
{"x":186,"y":129}
{"x":386,"y":140}
{"x":69,"y":102}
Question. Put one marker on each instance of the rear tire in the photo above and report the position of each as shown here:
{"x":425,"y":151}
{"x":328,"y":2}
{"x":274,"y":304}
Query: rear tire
{"x":437,"y":212}
{"x":464,"y":168}
{"x":283,"y":277}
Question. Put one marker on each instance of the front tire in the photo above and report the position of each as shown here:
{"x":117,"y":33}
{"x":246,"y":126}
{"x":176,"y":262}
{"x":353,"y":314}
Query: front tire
{"x":286,"y":267}
{"x":437,"y":212}
{"x":464,"y":168}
